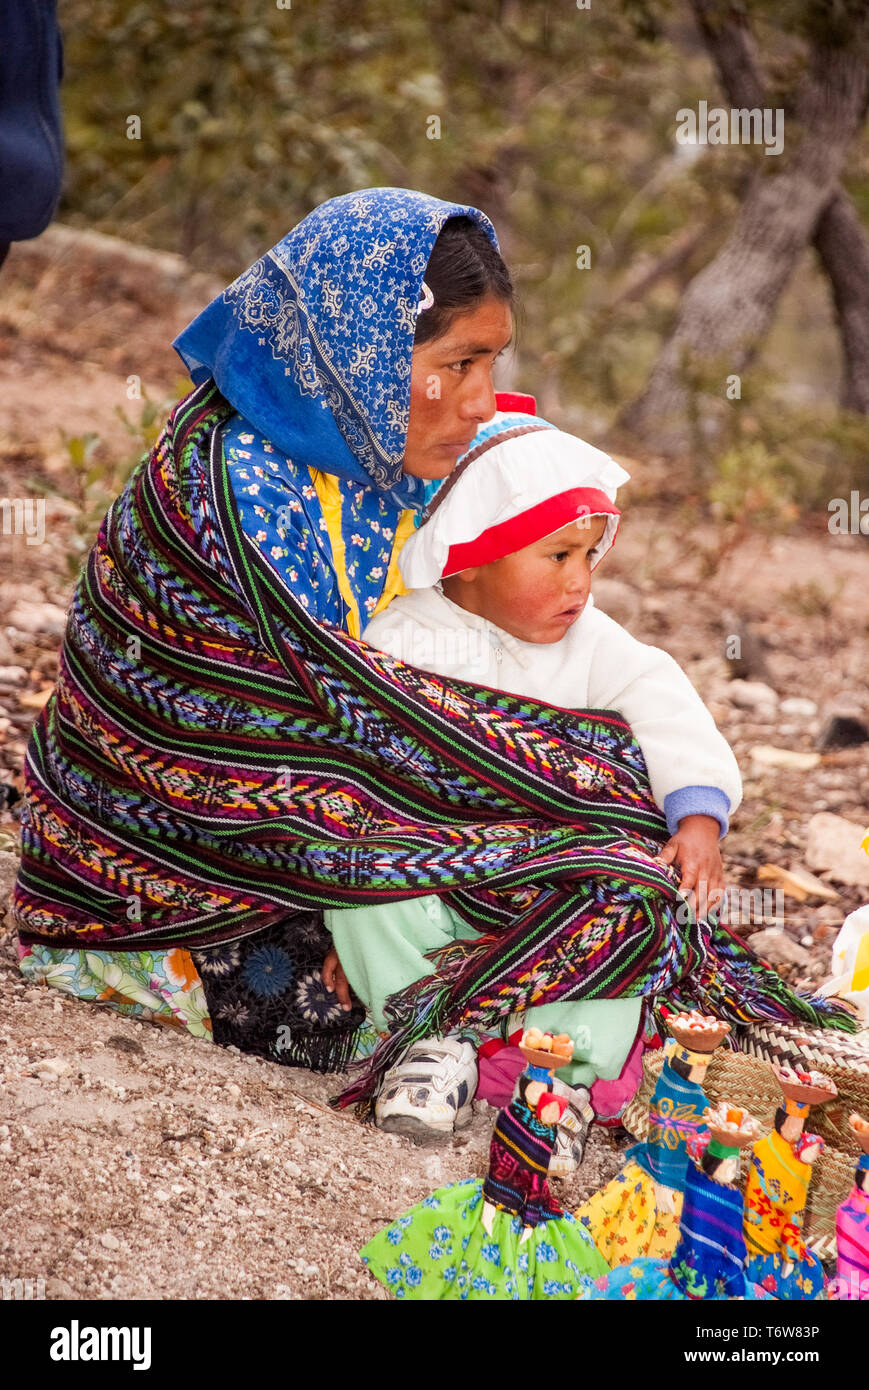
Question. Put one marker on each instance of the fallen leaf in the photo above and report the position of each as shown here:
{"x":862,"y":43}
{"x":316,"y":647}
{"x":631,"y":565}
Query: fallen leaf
{"x":796,"y":883}
{"x":766,"y":755}
{"x":35,"y":699}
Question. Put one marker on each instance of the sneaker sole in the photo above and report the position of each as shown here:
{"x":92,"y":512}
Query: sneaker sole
{"x":421,"y":1133}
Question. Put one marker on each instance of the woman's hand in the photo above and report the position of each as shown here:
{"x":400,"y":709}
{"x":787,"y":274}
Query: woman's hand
{"x":694,"y":848}
{"x":335,"y":980}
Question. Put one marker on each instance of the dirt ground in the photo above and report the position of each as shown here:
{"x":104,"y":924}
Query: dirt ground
{"x":135,"y":1162}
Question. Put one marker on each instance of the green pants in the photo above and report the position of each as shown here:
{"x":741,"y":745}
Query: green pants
{"x":383,"y":950}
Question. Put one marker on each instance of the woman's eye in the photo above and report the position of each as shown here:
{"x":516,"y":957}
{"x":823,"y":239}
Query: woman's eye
{"x":460,"y":366}
{"x":560,"y":555}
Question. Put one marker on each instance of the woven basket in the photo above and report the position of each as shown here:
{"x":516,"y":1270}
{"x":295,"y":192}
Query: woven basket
{"x":744,"y":1078}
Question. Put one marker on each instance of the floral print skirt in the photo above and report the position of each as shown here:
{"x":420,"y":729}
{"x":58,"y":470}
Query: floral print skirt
{"x":624,"y":1221}
{"x":261,"y":994}
{"x":440,"y":1250}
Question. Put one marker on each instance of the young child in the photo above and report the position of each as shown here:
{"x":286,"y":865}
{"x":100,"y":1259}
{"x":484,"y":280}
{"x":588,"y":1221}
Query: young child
{"x":499,"y":573}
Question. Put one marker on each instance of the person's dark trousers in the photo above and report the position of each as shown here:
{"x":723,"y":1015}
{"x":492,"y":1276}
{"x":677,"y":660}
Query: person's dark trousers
{"x":31,"y":130}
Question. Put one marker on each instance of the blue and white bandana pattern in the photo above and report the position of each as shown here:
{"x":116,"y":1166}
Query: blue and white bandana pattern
{"x":313,"y":344}
{"x":281,"y":512}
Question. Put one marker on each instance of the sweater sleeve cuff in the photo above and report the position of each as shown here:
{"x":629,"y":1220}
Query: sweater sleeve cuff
{"x":697,"y":801}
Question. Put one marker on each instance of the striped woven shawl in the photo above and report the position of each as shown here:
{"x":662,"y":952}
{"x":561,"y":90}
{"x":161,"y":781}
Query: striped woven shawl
{"x":212,"y":757}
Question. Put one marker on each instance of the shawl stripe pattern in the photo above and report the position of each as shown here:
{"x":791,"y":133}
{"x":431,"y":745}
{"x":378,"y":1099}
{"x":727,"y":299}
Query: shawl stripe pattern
{"x":213,"y":757}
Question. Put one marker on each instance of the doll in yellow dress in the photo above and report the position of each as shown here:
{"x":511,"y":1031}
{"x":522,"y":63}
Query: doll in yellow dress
{"x":638,"y":1212}
{"x":779,"y":1262}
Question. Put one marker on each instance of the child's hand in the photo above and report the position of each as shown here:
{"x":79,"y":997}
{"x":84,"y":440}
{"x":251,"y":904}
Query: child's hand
{"x":335,"y":980}
{"x":694,"y":848}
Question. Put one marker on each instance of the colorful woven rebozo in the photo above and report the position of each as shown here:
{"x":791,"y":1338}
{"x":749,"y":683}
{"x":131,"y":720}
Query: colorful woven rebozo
{"x":213,"y":759}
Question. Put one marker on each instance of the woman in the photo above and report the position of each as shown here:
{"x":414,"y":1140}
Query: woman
{"x":359,"y":410}
{"x":222,"y":757}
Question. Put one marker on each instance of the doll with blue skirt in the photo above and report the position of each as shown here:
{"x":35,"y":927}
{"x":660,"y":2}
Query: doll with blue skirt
{"x":709,"y":1260}
{"x":637,"y":1213}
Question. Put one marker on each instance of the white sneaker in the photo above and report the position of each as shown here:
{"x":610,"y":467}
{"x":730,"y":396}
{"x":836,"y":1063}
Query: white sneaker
{"x":429,"y":1093}
{"x":573,"y":1130}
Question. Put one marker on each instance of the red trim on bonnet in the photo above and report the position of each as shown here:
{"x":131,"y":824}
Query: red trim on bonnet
{"x":528,"y":527}
{"x":507,"y":401}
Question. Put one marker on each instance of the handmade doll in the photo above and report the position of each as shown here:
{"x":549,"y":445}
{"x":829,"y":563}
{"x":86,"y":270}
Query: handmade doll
{"x":776,"y":1191}
{"x":852,"y":1226}
{"x":506,"y":1237}
{"x":709,"y":1259}
{"x":638,"y":1212}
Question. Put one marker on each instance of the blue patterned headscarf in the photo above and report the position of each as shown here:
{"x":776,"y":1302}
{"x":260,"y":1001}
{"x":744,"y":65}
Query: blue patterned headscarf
{"x":313,"y":343}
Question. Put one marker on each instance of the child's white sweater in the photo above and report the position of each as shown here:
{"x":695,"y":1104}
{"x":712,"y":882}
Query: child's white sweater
{"x":596,"y":665}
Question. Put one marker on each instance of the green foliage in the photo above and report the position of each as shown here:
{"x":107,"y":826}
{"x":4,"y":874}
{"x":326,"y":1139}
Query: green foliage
{"x":559,"y":122}
{"x":96,"y":476}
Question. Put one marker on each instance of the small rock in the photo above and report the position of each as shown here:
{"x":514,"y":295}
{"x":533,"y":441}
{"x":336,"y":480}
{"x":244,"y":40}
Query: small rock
{"x":766,"y":755}
{"x":832,"y":916}
{"x":842,"y":731}
{"x":109,"y":1241}
{"x":746,"y":657}
{"x":51,"y":1069}
{"x":58,"y":1288}
{"x":12,"y":675}
{"x":756,"y":695}
{"x":37,"y":617}
{"x":824,"y":932}
{"x":798,"y":708}
{"x":778,"y":948}
{"x":124,"y":1044}
{"x":292,"y":1170}
{"x":833,"y":843}
{"x":233,"y":1090}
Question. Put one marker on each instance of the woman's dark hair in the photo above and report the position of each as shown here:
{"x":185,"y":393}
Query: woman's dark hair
{"x":463,"y":268}
{"x":780,"y":1116}
{"x":681,"y":1067}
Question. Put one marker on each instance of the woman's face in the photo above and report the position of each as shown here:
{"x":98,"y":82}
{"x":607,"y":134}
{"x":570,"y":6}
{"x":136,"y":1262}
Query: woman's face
{"x":451,"y":391}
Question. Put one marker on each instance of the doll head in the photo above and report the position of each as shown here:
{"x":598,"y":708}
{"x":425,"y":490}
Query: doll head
{"x":716,"y":1149}
{"x":694,"y":1038}
{"x":790,"y":1120}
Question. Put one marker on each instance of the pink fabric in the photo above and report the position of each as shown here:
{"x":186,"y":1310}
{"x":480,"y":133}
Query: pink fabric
{"x":498,"y":1073}
{"x":609,"y":1098}
{"x":499,"y":1070}
{"x":852,"y":1244}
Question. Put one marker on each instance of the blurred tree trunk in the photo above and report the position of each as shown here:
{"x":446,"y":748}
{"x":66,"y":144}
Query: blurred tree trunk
{"x":844,"y":251}
{"x":729,"y":305}
{"x":839,"y":239}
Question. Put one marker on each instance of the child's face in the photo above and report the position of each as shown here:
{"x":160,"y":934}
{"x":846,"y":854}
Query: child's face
{"x":536,"y":593}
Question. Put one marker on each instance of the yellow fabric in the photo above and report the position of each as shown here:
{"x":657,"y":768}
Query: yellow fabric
{"x":395,"y":585}
{"x":329,"y":493}
{"x":624,"y":1222}
{"x":775,"y":1197}
{"x":860,"y":978}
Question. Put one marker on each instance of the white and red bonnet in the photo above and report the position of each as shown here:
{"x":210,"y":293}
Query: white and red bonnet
{"x":521,"y":480}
